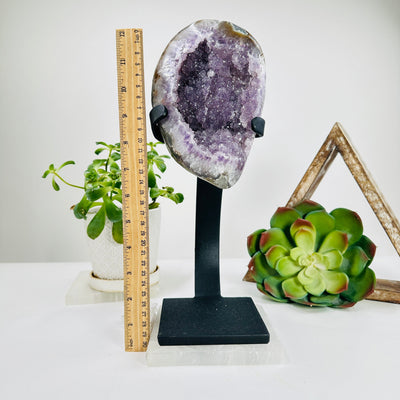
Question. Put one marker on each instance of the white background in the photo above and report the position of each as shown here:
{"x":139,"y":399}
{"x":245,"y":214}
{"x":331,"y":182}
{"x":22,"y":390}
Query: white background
{"x":327,"y":61}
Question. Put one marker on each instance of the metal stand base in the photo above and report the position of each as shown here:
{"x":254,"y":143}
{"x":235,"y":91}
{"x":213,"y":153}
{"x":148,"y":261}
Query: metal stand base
{"x":211,"y":320}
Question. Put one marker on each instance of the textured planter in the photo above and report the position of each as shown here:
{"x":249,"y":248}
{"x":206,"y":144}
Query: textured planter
{"x":106,"y":255}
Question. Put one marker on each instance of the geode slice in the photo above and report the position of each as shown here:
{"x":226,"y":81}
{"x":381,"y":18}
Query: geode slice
{"x":211,"y":79}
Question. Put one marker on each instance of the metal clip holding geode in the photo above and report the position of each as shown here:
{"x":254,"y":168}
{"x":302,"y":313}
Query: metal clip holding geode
{"x":211,"y":80}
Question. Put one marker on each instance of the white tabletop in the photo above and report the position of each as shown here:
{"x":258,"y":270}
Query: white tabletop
{"x":52,"y":351}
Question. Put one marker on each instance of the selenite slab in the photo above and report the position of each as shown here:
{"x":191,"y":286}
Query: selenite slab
{"x":211,"y":79}
{"x":272,"y":353}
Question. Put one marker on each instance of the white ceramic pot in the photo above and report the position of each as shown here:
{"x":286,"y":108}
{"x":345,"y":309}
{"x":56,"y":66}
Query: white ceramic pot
{"x":107,"y":255}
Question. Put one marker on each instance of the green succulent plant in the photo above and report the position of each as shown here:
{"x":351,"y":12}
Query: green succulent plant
{"x":313,"y":257}
{"x":102,"y":187}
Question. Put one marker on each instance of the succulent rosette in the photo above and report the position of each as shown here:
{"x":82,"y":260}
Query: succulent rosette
{"x":313,"y":257}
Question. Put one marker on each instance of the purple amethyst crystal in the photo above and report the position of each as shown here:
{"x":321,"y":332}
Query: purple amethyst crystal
{"x":211,"y":79}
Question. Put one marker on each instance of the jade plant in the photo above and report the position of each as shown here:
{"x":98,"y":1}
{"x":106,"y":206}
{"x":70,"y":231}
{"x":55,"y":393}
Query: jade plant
{"x":313,"y":257}
{"x":102,"y":187}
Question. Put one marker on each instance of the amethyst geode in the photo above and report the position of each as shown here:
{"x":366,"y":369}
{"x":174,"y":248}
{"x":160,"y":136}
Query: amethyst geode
{"x":211,"y":79}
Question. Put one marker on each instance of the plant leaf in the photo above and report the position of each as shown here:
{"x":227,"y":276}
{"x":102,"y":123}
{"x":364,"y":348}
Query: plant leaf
{"x":334,"y":240}
{"x":114,"y":213}
{"x":273,"y":285}
{"x":98,"y":163}
{"x":259,"y":267}
{"x":114,"y":166}
{"x":293,"y":288}
{"x":45,"y":173}
{"x":117,"y":197}
{"x":102,"y":143}
{"x":336,"y":282}
{"x":96,"y":193}
{"x":305,"y":239}
{"x":253,"y":242}
{"x":115,"y":156}
{"x":81,"y":209}
{"x":284,"y":217}
{"x":151,"y":177}
{"x":160,"y":164}
{"x":297,"y":252}
{"x":96,"y":225}
{"x":326,"y":300}
{"x":175,"y":197}
{"x":151,"y":154}
{"x":264,"y":289}
{"x":368,"y":246}
{"x":354,"y":261}
{"x":117,"y":232}
{"x":272,"y":237}
{"x":274,"y":254}
{"x":302,"y":224}
{"x":66,"y":163}
{"x":155,"y":192}
{"x":56,"y":187}
{"x":179,"y":198}
{"x":99,"y":150}
{"x":360,"y":286}
{"x":323,"y":222}
{"x":287,"y":267}
{"x":315,"y":287}
{"x":153,"y":205}
{"x":306,"y":206}
{"x":308,"y":275}
{"x":333,"y":259}
{"x":349,"y":222}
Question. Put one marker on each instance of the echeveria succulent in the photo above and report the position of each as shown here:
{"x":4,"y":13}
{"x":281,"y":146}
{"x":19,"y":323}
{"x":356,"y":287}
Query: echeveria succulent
{"x":312,"y":257}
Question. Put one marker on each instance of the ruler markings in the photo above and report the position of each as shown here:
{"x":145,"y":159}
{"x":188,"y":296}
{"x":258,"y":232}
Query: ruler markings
{"x":134,"y":187}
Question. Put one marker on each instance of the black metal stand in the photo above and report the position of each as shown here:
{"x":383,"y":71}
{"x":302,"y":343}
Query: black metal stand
{"x":208,"y":318}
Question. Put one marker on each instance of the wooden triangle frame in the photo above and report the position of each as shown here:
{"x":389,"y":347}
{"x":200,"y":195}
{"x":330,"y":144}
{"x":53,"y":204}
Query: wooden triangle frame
{"x":338,"y":142}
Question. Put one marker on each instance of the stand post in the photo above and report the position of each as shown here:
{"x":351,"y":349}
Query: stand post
{"x":208,"y":212}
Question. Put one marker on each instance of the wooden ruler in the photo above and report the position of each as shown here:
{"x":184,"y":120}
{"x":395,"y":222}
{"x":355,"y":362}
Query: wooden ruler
{"x":132,"y":119}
